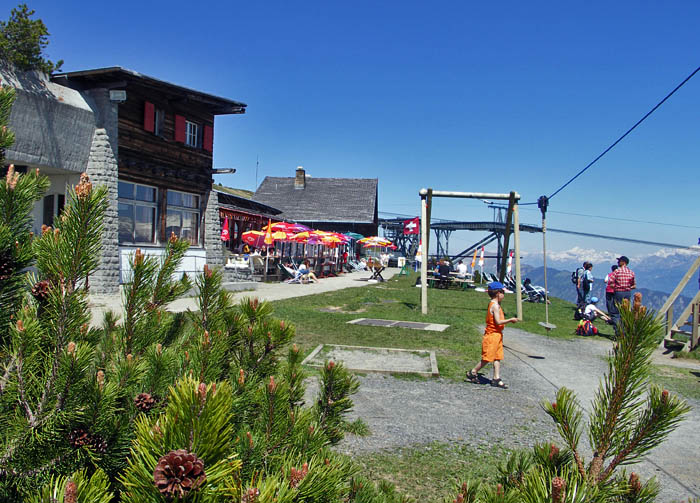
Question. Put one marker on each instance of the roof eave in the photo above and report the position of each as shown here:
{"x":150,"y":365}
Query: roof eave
{"x":222,"y":106}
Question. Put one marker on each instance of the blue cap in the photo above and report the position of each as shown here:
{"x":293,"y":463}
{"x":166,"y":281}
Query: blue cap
{"x":594,"y":300}
{"x":496,"y":285}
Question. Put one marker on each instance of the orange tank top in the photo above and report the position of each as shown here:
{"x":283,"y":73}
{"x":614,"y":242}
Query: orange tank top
{"x":491,"y":325}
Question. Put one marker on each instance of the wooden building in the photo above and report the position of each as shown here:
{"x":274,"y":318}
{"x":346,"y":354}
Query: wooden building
{"x":331,"y":204}
{"x":149,"y":141}
{"x":242,"y":214}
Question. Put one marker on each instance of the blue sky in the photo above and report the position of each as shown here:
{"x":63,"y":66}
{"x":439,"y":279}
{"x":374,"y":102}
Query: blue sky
{"x":450,"y":95}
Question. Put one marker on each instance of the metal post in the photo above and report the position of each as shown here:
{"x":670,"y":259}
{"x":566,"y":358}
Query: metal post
{"x":694,"y":330}
{"x":518,"y":277}
{"x":424,"y":258}
{"x":542,"y":203}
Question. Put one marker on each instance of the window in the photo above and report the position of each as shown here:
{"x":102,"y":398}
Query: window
{"x":53,"y":206}
{"x":192,"y":134}
{"x":137,"y":213}
{"x":159,"y":122}
{"x":182,"y":216}
{"x":48,"y":210}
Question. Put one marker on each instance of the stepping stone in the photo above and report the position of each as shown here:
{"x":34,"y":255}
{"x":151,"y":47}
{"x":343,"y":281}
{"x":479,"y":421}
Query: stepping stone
{"x":382,"y":360}
{"x":435,"y":327}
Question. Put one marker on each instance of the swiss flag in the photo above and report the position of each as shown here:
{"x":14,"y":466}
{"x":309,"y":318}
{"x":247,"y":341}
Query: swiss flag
{"x":411,"y":226}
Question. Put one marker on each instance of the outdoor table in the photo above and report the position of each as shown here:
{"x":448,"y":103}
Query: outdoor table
{"x":377,"y":272}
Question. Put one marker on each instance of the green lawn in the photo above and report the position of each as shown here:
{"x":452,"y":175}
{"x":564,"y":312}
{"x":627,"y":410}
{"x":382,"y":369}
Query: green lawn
{"x":398,"y":299}
{"x":432,"y":472}
{"x":685,"y":382}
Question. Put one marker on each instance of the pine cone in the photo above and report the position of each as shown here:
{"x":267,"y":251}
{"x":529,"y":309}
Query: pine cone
{"x":79,"y":437}
{"x":179,"y":472}
{"x":250,"y":495}
{"x":40,"y":290}
{"x":98,"y":444}
{"x":70,"y":494}
{"x":144,"y":402}
{"x":558,"y":490}
{"x":6,"y":265}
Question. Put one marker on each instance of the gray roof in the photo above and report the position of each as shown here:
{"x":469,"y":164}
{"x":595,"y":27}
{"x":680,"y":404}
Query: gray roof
{"x":322,"y":200}
{"x":53,"y":124}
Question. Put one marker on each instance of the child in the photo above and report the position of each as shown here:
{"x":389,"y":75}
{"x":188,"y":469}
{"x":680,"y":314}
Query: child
{"x":492,"y":343}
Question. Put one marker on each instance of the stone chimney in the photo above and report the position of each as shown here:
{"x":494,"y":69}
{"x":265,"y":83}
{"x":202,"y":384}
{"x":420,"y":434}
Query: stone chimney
{"x":300,"y":180}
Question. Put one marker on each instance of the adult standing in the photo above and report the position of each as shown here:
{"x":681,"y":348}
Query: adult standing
{"x":609,"y":292}
{"x":623,"y":282}
{"x":587,"y":282}
{"x":579,"y":288}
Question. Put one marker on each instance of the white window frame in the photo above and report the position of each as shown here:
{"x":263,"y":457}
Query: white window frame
{"x":191,"y":134}
{"x":137,"y":202}
{"x":179,"y":208}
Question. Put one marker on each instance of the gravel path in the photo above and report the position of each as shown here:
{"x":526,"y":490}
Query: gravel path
{"x":406,"y":412}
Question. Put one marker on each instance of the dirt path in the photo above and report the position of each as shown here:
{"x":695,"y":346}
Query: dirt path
{"x":405,"y":412}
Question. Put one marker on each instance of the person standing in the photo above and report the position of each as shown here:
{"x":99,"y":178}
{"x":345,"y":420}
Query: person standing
{"x":587,"y":282}
{"x":492,"y":342}
{"x":608,"y":289}
{"x":623,"y":282}
{"x":579,"y":288}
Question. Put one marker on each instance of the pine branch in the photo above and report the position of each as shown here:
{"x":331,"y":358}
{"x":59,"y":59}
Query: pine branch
{"x":6,"y":376}
{"x":664,"y":411}
{"x":31,"y":418}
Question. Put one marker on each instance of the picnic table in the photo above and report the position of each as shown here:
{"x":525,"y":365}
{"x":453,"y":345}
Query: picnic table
{"x":376,"y":267}
{"x":452,"y":279}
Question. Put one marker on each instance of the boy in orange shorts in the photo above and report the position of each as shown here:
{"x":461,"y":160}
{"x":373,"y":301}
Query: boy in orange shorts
{"x":492,"y":343}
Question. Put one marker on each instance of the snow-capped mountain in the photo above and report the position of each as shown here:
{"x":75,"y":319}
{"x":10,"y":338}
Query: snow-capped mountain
{"x":660,"y":271}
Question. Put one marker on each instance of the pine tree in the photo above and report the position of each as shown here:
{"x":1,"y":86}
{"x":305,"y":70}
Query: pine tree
{"x":49,"y":354}
{"x":109,"y":413}
{"x":23,"y":41}
{"x":17,"y":197}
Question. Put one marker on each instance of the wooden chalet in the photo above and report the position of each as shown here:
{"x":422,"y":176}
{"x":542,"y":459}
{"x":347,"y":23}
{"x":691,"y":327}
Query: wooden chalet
{"x":149,"y":141}
{"x":332,"y":204}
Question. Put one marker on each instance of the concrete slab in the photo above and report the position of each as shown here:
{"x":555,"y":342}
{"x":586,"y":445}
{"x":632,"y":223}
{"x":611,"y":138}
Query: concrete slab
{"x":434,"y":327}
{"x":382,"y":360}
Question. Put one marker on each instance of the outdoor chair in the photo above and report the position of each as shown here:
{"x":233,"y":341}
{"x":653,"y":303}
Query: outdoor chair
{"x":290,"y":275}
{"x":534,"y":294}
{"x":258,"y":264}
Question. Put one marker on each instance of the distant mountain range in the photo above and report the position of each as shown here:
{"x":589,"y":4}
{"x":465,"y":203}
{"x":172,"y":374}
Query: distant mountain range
{"x":559,"y":285}
{"x":657,"y":272}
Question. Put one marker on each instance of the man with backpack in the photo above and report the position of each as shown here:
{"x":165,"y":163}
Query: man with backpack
{"x":576,"y":278}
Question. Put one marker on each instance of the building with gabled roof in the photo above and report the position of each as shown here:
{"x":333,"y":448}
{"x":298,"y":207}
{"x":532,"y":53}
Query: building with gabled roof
{"x":150,"y":142}
{"x":333,"y":204}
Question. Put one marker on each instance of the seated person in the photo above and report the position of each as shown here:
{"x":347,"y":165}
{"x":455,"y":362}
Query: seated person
{"x":591,"y":312}
{"x":306,"y":273}
{"x":461,"y":270}
{"x":443,"y":273}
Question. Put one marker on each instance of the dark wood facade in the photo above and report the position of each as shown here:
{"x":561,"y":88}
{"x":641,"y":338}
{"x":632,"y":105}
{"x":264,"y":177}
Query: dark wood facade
{"x":152,"y":146}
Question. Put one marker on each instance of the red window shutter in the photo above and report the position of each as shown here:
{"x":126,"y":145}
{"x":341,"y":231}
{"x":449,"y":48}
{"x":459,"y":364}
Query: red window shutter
{"x":208,"y":141}
{"x":180,"y":128}
{"x":149,"y":117}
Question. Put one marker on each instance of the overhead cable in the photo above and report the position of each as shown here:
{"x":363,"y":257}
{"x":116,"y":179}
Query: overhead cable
{"x":621,"y":137}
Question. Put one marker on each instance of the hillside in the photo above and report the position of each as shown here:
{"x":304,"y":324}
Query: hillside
{"x":559,"y":285}
{"x":659,"y":271}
